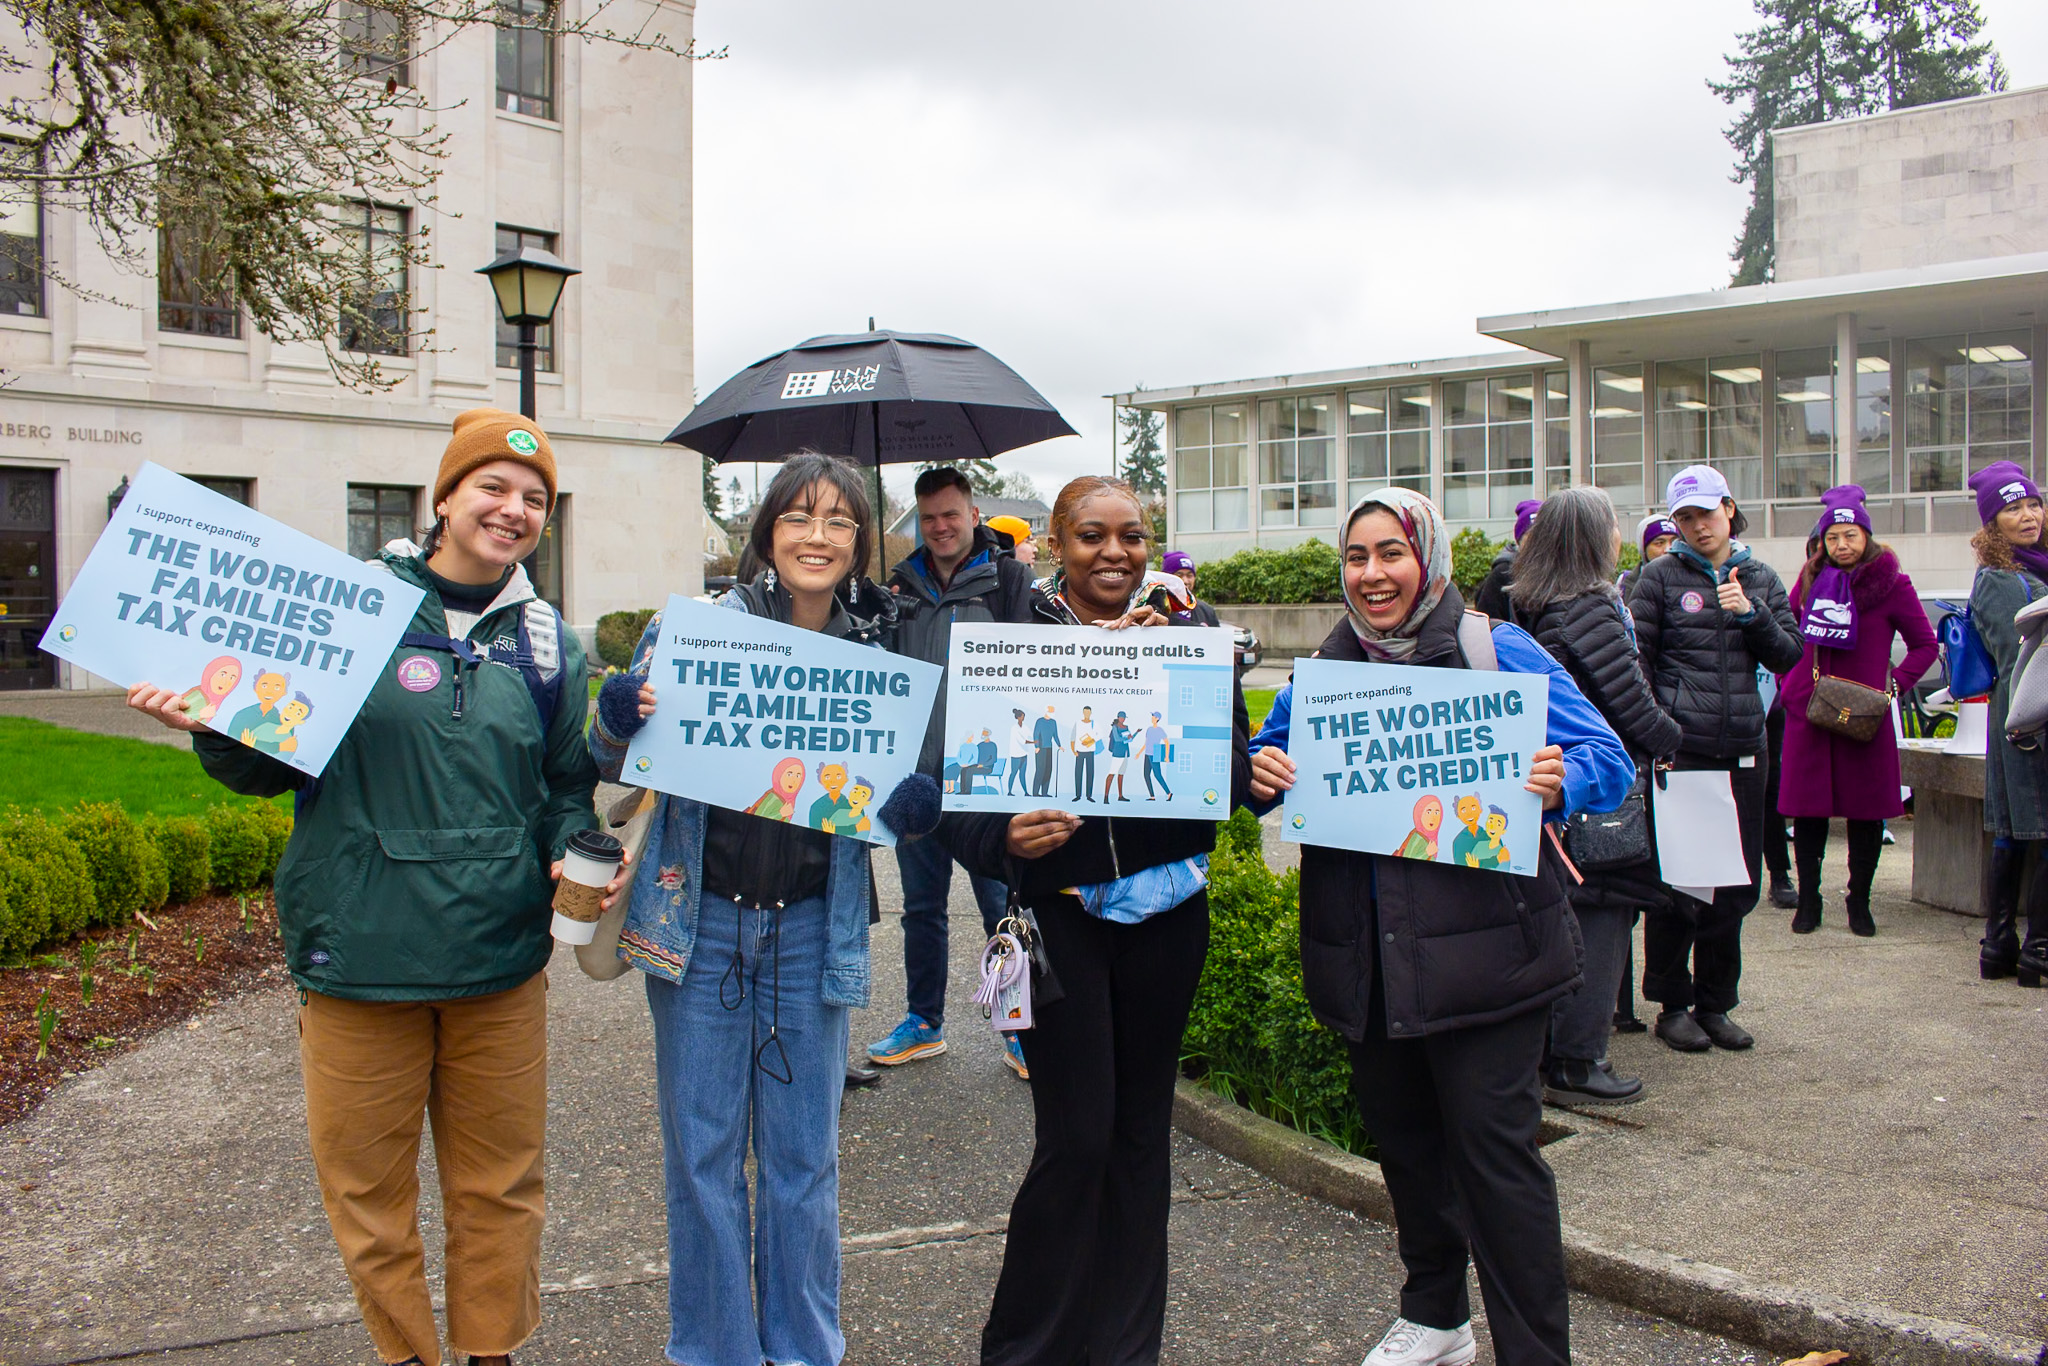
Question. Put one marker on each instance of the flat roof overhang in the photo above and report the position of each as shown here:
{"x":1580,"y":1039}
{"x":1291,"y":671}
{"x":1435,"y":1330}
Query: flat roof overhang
{"x":1395,"y":373}
{"x":1957,"y":296}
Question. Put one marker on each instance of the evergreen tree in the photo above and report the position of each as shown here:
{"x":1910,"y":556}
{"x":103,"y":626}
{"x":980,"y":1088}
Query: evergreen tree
{"x":713,"y":508}
{"x":735,"y":497}
{"x":1807,"y":62}
{"x":1144,"y":463}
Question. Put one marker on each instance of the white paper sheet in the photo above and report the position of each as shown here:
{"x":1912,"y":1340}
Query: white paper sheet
{"x":1699,"y":838}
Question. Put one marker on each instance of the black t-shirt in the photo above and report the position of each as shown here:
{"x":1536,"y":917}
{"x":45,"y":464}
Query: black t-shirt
{"x":474,"y":598}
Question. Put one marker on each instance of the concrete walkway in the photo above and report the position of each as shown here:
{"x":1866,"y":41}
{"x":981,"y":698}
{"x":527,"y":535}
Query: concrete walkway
{"x":164,"y":1204}
{"x":102,"y":712}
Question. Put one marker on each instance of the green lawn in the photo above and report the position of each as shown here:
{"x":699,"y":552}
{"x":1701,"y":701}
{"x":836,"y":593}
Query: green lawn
{"x":51,"y":769}
{"x":1259,"y":701}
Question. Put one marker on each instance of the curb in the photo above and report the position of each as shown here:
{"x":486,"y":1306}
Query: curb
{"x":1697,"y":1294}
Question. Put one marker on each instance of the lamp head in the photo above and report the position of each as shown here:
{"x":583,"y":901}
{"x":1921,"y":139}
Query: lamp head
{"x":528,"y":283}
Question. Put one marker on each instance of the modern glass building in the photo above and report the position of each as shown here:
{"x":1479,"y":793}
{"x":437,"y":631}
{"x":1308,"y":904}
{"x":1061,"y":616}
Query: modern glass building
{"x":1902,"y":347}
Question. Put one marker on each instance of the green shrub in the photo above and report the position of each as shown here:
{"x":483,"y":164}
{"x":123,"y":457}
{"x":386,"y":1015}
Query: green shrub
{"x":1242,"y":834}
{"x":156,"y":875}
{"x":188,"y":860}
{"x":1471,"y":557}
{"x":1631,"y":557}
{"x":54,"y":897}
{"x":277,"y":832}
{"x":239,"y":843}
{"x":1251,"y":1036}
{"x":117,"y":856}
{"x":1304,"y":573}
{"x":618,"y":633}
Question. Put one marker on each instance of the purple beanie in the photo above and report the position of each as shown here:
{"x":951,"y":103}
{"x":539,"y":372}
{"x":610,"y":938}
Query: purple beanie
{"x":1998,"y":486}
{"x":1525,"y":515}
{"x":1653,"y":527}
{"x":1842,"y":505}
{"x":1177,"y":560}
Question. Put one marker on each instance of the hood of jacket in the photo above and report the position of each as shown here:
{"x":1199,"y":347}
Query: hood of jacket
{"x":1738,"y":553}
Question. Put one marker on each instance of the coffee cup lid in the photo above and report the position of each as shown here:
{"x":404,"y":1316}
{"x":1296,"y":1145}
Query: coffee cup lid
{"x":596,"y":845}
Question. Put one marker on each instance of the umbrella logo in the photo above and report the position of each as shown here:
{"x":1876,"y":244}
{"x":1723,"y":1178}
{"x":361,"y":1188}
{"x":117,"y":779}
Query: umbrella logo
{"x":856,"y":379}
{"x":807,"y":383}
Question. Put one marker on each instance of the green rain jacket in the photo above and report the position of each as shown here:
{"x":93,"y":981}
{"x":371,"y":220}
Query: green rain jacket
{"x":419,"y":863}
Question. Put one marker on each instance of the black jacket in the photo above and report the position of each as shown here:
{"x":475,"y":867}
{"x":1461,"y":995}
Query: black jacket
{"x":1702,"y":661}
{"x":1101,"y":850}
{"x":997,"y":589}
{"x":1491,"y":597}
{"x":1453,"y":947}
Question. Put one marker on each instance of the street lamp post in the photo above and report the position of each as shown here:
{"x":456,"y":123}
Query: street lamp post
{"x":528,"y":283}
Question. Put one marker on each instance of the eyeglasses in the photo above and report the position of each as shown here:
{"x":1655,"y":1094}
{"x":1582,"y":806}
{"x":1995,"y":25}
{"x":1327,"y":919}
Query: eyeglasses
{"x":839,"y":531}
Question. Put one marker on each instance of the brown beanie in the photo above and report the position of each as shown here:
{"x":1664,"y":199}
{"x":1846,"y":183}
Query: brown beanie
{"x":486,"y":434}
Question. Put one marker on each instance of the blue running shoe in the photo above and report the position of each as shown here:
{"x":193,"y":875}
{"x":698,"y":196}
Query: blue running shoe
{"x":1013,"y":1054}
{"x":907,"y":1042}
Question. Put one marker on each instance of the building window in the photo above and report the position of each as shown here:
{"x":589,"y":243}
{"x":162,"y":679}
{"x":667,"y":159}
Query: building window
{"x":512,"y":239}
{"x":192,"y":293}
{"x":1557,"y":430}
{"x":237,"y":489}
{"x":21,"y":246}
{"x":1298,"y":461}
{"x":526,"y":58}
{"x":1969,"y":402}
{"x":1805,"y":423}
{"x":1489,"y":446}
{"x":1209,"y":469}
{"x":1187,"y":694}
{"x":376,"y":321}
{"x":377,"y":514}
{"x":1711,"y":412}
{"x":1618,"y":434}
{"x":372,"y":40}
{"x":1386,"y":440}
{"x":544,"y":565}
{"x":1220,"y":764}
{"x":1874,"y":419}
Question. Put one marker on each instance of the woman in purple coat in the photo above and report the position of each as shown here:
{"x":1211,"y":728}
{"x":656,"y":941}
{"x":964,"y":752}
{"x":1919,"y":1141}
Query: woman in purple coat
{"x":1851,"y":599}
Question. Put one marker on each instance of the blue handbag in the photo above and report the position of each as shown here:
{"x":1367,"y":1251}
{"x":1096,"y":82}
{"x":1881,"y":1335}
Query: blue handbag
{"x":1971,"y":671}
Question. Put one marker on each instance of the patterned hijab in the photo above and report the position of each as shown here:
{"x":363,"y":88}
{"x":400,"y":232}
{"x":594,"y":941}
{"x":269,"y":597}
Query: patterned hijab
{"x":1431,"y":542}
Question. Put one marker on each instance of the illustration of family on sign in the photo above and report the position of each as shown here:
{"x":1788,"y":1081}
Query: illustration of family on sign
{"x":841,"y":811}
{"x":976,"y":765}
{"x":1477,"y":846}
{"x":269,"y":723}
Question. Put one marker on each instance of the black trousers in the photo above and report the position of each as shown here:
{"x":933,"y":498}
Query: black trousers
{"x":1041,"y":773}
{"x":1084,"y":1272}
{"x":1455,"y":1117}
{"x":1692,"y":950}
{"x":1777,"y":848}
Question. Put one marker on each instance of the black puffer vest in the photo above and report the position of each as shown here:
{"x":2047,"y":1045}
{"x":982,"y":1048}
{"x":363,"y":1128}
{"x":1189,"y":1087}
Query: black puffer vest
{"x":1454,"y":947}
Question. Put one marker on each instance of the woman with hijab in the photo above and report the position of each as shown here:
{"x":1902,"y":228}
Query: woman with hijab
{"x":1440,"y":977}
{"x":1852,"y":600}
{"x":2012,"y":571}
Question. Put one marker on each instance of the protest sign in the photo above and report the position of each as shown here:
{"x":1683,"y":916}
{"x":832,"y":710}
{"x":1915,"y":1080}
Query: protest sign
{"x":780,"y":722}
{"x":279,"y":637}
{"x":1081,"y":719}
{"x":1417,"y":763}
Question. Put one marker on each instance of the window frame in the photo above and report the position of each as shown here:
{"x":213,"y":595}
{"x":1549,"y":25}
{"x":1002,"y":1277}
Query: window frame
{"x":202,"y":306}
{"x":1205,"y":494}
{"x":356,"y":43}
{"x":1284,"y":445}
{"x":360,"y":334}
{"x":518,"y":42}
{"x":378,"y":515}
{"x":31,"y":279}
{"x":1971,"y":453}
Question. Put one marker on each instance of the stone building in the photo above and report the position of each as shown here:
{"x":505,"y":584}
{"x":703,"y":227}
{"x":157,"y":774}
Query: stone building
{"x":1901,"y":347}
{"x":582,"y":149}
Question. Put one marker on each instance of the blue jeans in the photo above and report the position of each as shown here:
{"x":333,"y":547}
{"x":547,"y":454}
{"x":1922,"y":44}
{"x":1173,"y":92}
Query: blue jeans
{"x":927,"y":871}
{"x":741,"y":1295}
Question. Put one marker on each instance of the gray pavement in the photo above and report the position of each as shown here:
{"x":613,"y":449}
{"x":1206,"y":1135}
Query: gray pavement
{"x":164,"y":1205}
{"x":99,"y":711}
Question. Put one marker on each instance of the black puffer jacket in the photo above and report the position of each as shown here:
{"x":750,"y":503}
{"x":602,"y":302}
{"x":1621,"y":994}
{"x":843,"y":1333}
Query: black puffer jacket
{"x":997,"y":588}
{"x":1452,"y":947}
{"x":1587,"y":635}
{"x":1702,"y":661}
{"x":1492,"y":596}
{"x":1101,"y":850}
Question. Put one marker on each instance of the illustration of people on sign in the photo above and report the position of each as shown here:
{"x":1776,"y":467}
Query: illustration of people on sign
{"x":1421,"y":841}
{"x":279,"y":737}
{"x":1045,"y":739}
{"x":1495,"y":852}
{"x":854,"y":819}
{"x":1119,"y":755}
{"x":1084,"y":743}
{"x":1158,"y":749}
{"x":215,"y":684}
{"x":778,"y":803}
{"x":827,"y":810}
{"x":271,"y":686}
{"x":1465,"y":848}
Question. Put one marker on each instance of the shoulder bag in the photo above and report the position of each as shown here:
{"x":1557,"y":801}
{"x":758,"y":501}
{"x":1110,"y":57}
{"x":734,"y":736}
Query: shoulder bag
{"x":1847,"y":708}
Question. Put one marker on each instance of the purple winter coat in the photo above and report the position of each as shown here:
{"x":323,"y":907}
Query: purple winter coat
{"x":1825,"y":774}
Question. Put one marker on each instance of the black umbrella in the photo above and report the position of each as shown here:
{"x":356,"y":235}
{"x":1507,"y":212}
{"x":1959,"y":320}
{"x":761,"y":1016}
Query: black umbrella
{"x":880,"y":397}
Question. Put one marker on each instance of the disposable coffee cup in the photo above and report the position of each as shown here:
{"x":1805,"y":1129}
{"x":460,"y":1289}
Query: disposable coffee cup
{"x":588,"y":866}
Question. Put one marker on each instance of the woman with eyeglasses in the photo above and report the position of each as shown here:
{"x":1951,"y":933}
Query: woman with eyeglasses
{"x":753,"y":936}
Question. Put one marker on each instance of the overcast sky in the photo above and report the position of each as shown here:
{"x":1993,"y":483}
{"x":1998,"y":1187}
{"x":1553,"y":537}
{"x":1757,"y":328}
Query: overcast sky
{"x":1175,"y":191}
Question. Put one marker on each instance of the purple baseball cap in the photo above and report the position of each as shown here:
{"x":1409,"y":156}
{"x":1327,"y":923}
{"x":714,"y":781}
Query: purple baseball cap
{"x":1525,"y":515}
{"x":1177,"y":560}
{"x":1998,"y":486}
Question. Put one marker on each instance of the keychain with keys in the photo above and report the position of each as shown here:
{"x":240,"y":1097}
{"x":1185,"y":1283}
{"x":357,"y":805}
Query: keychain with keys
{"x":1005,"y":991}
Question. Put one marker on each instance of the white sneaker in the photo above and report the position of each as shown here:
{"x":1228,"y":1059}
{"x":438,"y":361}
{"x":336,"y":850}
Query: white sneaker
{"x":1411,"y":1344}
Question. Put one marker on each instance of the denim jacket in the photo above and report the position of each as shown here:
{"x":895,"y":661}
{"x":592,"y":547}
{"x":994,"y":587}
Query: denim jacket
{"x":667,"y":890}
